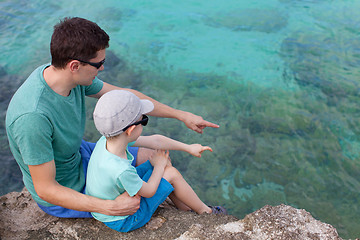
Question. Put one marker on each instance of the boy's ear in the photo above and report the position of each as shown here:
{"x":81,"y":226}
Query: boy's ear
{"x":129,"y":130}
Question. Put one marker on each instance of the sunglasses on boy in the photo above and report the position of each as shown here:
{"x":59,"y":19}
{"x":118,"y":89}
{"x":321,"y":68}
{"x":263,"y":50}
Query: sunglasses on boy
{"x":96,"y":65}
{"x":143,"y":122}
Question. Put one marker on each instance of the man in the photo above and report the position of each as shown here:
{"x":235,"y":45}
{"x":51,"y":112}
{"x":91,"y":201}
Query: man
{"x":45,"y":123}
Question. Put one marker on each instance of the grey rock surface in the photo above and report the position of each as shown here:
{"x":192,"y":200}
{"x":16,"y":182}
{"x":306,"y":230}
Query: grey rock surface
{"x":20,"y":218}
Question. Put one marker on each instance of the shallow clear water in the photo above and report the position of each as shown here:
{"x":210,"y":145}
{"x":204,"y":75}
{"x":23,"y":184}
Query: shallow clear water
{"x":281,"y":77}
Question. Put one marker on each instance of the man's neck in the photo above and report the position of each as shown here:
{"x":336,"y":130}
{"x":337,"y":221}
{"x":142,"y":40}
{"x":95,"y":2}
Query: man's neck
{"x":59,"y":80}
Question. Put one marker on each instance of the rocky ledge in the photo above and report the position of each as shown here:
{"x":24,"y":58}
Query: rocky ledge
{"x":20,"y":218}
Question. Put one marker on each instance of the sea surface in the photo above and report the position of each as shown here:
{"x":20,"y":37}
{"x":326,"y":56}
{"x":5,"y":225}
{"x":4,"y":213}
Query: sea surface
{"x":280,"y":77}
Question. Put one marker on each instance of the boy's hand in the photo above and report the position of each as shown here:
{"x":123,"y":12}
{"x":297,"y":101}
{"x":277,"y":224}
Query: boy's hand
{"x":197,"y":149}
{"x":159,"y":158}
{"x":169,"y":164}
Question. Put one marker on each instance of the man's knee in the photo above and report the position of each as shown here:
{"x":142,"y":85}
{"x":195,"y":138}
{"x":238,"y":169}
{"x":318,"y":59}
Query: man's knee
{"x":143,"y":155}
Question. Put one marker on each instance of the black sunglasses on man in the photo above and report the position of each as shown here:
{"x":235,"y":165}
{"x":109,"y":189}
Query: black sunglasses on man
{"x":96,"y":65}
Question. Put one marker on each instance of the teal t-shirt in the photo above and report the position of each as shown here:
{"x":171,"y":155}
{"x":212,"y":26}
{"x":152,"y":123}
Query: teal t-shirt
{"x":42,"y":125}
{"x":108,"y":176}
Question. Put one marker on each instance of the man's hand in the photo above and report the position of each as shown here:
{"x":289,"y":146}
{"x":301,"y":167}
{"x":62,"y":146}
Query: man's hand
{"x":196,"y":149}
{"x":125,"y":205}
{"x":196,"y":123}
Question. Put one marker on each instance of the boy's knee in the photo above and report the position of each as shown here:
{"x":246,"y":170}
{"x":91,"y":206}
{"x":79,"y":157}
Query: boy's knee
{"x":171,"y":170}
{"x":171,"y":173}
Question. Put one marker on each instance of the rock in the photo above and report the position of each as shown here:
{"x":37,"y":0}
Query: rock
{"x":155,"y":223}
{"x":261,"y":20}
{"x":279,"y":222}
{"x":20,"y":218}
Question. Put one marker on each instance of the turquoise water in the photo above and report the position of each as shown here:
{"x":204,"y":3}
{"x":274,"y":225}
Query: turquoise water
{"x":281,"y":77}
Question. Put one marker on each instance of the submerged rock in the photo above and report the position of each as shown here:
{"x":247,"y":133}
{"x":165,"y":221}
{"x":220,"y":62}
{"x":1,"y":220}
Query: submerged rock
{"x":20,"y":218}
{"x":261,"y":20}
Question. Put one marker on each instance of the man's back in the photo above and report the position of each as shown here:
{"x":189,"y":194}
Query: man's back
{"x":43,"y":126}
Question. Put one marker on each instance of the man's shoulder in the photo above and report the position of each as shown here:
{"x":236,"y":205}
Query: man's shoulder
{"x":26,"y":97}
{"x":30,"y":87}
{"x":35,"y":77}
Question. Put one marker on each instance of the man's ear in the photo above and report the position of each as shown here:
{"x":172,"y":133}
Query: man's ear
{"x":129,"y":130}
{"x":74,"y":65}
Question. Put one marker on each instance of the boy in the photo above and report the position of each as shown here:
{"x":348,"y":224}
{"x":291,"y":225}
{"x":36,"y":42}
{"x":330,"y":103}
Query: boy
{"x":119,"y":117}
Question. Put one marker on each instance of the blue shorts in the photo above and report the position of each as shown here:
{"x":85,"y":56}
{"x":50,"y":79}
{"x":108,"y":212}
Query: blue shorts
{"x":147,"y":205}
{"x":86,"y":149}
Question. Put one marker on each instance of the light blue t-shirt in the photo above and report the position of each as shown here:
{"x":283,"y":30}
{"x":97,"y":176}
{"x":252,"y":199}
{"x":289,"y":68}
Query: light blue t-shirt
{"x":108,"y":176}
{"x":42,"y":125}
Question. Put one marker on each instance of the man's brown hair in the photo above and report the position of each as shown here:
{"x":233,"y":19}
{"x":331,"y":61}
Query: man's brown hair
{"x":76,"y":38}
